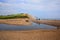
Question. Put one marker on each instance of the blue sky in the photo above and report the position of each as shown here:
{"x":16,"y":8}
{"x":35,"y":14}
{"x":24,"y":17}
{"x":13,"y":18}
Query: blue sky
{"x":44,"y":9}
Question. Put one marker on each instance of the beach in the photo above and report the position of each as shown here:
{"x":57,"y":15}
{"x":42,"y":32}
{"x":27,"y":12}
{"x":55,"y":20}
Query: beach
{"x":30,"y":35}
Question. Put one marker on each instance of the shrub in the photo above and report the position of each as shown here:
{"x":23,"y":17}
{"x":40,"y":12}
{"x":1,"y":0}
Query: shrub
{"x":13,"y":16}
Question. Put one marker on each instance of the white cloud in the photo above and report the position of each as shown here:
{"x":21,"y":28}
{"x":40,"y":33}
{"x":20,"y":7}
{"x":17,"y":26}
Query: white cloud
{"x":55,"y":5}
{"x":9,"y":1}
{"x":30,"y":6}
{"x":28,"y":1}
{"x":5,"y":12}
{"x":23,"y":6}
{"x":33,"y":1}
{"x":43,"y":6}
{"x":4,"y":4}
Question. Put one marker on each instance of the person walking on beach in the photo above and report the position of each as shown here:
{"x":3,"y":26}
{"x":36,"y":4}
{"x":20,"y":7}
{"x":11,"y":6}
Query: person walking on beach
{"x":39,"y":20}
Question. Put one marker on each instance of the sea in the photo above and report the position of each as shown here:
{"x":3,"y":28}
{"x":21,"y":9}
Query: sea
{"x":29,"y":27}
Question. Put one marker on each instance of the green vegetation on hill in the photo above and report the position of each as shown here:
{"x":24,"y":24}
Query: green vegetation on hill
{"x":21,"y":15}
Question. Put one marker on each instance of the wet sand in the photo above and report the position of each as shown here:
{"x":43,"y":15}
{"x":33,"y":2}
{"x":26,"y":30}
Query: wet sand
{"x":51,"y":22}
{"x":55,"y":23}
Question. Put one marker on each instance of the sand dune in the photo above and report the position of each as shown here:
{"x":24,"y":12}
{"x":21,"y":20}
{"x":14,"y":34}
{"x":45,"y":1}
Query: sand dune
{"x":17,"y":21}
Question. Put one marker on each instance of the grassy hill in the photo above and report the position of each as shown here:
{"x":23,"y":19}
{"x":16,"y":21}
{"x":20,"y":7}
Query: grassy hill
{"x":21,"y":15}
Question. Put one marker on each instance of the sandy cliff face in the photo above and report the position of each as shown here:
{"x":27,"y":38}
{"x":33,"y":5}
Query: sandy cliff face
{"x":18,"y":21}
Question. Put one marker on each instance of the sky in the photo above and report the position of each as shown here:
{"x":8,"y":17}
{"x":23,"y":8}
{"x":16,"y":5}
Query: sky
{"x":44,"y":9}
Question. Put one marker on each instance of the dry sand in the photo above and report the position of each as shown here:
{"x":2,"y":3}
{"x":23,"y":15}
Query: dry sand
{"x":17,"y":21}
{"x":30,"y":35}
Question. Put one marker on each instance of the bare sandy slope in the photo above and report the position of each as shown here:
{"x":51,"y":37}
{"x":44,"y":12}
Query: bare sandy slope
{"x":30,"y":35}
{"x":17,"y":21}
